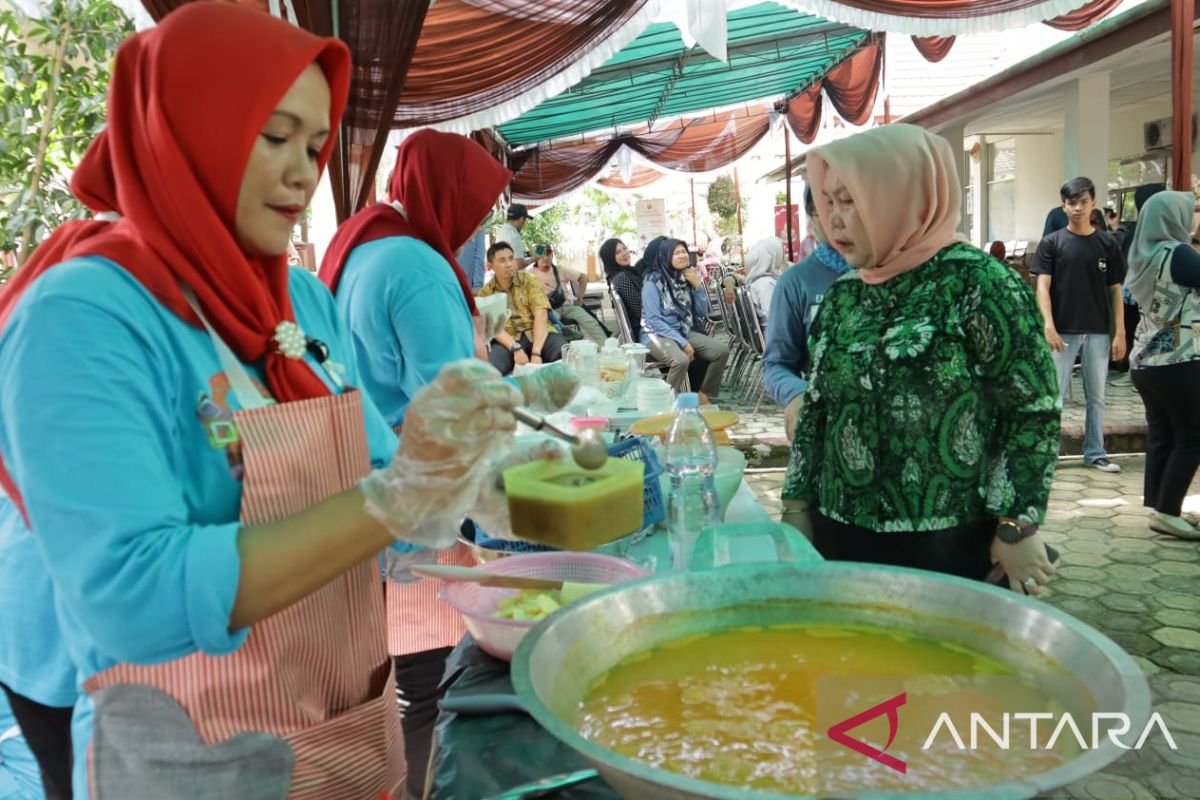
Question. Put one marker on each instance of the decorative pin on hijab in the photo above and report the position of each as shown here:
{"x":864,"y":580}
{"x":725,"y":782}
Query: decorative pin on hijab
{"x":290,"y":340}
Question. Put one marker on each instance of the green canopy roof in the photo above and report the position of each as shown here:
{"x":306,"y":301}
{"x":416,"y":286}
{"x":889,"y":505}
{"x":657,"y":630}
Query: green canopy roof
{"x":773,"y":51}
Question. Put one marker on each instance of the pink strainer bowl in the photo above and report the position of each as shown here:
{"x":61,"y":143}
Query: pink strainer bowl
{"x":500,"y":637}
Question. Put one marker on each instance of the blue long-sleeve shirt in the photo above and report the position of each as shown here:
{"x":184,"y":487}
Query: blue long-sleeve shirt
{"x":793,"y":307}
{"x":667,"y":324}
{"x":34,"y":660}
{"x":407,"y":318}
{"x":473,"y":258}
{"x":135,"y":513}
{"x":1185,"y":267}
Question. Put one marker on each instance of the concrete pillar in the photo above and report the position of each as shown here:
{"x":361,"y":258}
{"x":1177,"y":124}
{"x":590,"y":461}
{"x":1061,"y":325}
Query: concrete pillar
{"x":979,"y":209}
{"x":983,"y":208}
{"x":954,"y":135}
{"x":1085,"y":133}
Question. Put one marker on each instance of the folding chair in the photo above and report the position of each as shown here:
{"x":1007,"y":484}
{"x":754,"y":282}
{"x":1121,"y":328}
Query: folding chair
{"x":757,"y":341}
{"x":626,"y":330}
{"x":739,"y":347}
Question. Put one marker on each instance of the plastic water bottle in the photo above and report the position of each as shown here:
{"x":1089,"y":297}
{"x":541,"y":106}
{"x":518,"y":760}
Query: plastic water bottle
{"x":691,"y":461}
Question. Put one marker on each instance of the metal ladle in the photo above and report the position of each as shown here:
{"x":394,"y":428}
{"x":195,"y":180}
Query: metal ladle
{"x":587,"y":448}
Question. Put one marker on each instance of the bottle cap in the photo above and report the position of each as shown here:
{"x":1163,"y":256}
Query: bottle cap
{"x":687,"y":400}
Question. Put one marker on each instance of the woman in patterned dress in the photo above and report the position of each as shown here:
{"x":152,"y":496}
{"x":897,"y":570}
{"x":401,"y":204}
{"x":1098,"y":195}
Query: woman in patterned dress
{"x":929,"y":433}
{"x":1164,"y":279}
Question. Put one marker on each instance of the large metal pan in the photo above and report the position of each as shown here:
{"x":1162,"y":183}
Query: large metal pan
{"x":559,"y":659}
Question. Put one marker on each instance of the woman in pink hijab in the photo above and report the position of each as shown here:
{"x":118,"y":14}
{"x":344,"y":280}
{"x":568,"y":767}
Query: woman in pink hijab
{"x":929,"y":433}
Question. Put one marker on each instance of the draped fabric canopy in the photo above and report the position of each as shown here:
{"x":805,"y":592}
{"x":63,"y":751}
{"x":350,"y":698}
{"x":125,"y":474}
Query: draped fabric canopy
{"x":939,"y":17}
{"x":481,"y":62}
{"x":688,"y":145}
{"x":464,"y":64}
{"x":640,"y":176}
{"x":773,"y":51}
{"x":702,"y":143}
{"x":935,"y":48}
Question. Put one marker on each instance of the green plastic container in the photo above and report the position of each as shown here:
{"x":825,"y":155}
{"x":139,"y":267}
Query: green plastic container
{"x":752,"y":543}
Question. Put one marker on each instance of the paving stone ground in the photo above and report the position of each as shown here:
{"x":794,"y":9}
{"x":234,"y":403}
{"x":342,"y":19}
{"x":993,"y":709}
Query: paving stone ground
{"x":1137,"y":587}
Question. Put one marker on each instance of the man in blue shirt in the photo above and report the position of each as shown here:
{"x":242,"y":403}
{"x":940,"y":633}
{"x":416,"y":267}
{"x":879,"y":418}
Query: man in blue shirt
{"x":793,"y":308}
{"x":472,"y":259}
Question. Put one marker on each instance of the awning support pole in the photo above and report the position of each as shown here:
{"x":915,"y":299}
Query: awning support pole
{"x":787,"y":156}
{"x":737,"y":196}
{"x":695,"y":239}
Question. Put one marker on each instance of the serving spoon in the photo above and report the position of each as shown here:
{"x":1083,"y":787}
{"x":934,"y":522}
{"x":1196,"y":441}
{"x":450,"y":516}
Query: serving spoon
{"x":587,"y":447}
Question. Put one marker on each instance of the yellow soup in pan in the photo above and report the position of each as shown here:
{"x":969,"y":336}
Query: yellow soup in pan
{"x":753,"y":707}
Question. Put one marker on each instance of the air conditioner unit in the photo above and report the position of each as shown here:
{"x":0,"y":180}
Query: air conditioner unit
{"x":1157,"y":134}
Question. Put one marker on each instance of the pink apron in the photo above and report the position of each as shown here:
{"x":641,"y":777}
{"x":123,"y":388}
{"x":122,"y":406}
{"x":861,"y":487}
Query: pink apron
{"x":416,"y":619}
{"x":305,"y":709}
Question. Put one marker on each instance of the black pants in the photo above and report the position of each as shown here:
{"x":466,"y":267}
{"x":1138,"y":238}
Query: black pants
{"x":1132,"y":316}
{"x":696,"y":372}
{"x":418,"y":688}
{"x":47,"y":731}
{"x":502,"y":359}
{"x":1171,"y":395}
{"x":964,"y":550}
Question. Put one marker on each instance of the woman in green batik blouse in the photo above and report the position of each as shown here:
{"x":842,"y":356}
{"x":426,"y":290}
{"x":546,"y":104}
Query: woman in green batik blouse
{"x":929,"y":434}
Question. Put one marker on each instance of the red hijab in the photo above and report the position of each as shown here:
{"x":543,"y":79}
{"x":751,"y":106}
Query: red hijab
{"x":187,"y":101}
{"x":446,"y":184}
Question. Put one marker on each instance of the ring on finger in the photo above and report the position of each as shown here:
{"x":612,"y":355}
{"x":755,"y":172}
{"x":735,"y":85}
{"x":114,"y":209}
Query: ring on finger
{"x":1030,"y":582}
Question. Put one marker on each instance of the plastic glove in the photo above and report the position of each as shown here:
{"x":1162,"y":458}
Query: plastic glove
{"x":490,"y":510}
{"x":455,"y":429}
{"x":549,"y":388}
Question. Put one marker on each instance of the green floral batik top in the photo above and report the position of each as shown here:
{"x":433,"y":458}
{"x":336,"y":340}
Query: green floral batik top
{"x":933,"y":400}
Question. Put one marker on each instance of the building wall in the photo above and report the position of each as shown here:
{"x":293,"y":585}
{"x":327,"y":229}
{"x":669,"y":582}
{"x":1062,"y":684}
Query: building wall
{"x":1126,"y":128}
{"x":1039,"y":176}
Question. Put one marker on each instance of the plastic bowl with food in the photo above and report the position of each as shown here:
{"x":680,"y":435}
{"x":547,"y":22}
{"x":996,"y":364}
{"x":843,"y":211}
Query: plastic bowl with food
{"x":480,"y":605}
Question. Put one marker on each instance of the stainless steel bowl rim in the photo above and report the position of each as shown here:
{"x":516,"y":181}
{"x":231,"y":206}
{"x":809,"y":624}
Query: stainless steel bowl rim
{"x":1137,"y":705}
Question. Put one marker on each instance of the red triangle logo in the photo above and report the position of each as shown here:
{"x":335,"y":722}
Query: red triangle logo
{"x":838,"y":732}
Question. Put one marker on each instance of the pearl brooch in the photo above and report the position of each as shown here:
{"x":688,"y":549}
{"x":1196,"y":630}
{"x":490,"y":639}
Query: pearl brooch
{"x":290,"y":340}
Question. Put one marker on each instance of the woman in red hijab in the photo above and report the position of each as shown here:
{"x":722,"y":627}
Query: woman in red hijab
{"x":394,"y":270}
{"x":180,"y":428}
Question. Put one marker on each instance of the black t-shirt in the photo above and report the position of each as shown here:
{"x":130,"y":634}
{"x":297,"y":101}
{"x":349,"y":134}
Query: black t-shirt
{"x":1082,"y":268}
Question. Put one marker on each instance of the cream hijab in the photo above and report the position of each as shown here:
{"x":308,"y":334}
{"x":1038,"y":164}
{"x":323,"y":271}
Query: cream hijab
{"x":905,"y":186}
{"x":765,"y":259}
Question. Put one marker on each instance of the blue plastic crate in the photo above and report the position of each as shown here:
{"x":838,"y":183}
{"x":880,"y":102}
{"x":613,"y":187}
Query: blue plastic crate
{"x":509,"y":545}
{"x":638,"y":448}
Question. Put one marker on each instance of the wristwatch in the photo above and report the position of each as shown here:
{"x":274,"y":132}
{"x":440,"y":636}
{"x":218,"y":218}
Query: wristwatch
{"x":1010,"y":531}
{"x":516,"y":346}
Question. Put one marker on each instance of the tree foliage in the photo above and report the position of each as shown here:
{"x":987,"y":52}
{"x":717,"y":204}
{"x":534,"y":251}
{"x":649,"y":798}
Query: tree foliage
{"x":723,"y":204}
{"x":607,"y":215}
{"x":722,"y":199}
{"x":544,"y":227}
{"x":54,"y":74}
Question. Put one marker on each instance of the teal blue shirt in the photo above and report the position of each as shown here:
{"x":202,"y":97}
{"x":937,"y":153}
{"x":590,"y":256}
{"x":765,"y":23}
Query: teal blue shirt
{"x":407,"y":318}
{"x":34,"y":661}
{"x":135,"y":513}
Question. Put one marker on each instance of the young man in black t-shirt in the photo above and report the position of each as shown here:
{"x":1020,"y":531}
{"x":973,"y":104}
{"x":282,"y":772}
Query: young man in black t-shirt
{"x":1079,"y":273}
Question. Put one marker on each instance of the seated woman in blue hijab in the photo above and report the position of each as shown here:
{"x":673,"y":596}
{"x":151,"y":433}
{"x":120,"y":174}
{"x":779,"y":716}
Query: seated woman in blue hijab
{"x":673,"y":304}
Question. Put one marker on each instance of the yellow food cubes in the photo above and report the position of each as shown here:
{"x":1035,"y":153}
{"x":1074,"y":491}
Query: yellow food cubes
{"x":559,"y":504}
